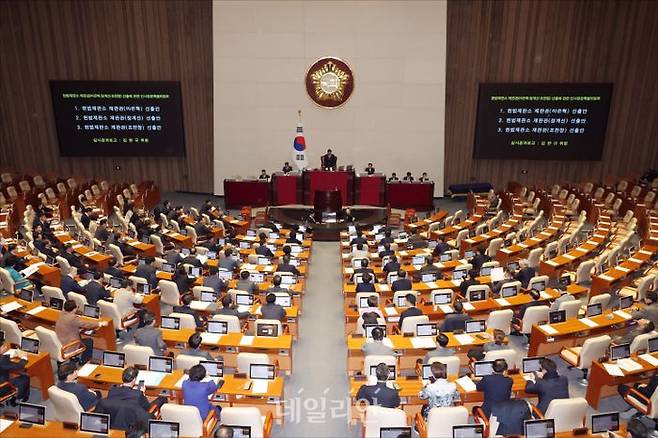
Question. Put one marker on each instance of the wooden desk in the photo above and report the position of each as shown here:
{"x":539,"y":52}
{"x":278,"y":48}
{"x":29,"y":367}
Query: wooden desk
{"x":51,"y":429}
{"x":424,"y":224}
{"x":232,"y":394}
{"x":602,"y":384}
{"x":620,"y":275}
{"x":553,"y":267}
{"x":485,"y":238}
{"x":178,"y":239}
{"x":40,"y":371}
{"x":516,"y":251}
{"x":467,"y":224}
{"x":100,"y":261}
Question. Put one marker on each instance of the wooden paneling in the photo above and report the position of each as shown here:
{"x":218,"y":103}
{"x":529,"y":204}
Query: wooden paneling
{"x":554,"y":41}
{"x":104,"y":40}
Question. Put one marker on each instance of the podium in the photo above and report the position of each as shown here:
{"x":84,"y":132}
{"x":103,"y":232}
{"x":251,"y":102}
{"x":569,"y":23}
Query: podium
{"x":341,"y":180}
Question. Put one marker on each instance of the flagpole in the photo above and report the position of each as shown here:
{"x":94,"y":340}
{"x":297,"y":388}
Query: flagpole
{"x":299,"y":113}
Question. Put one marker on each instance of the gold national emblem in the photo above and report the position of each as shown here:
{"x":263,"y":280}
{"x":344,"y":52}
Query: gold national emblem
{"x":329,"y":82}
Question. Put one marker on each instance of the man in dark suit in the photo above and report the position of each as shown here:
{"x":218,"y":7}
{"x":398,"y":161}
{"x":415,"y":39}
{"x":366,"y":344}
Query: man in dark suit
{"x":388,"y":238}
{"x":262,"y":249}
{"x":213,"y":281}
{"x":535,"y":302}
{"x":22,"y":381}
{"x":131,"y":395}
{"x":68,"y":284}
{"x":496,"y":387}
{"x":524,"y":274}
{"x":469,"y":281}
{"x":358,"y":239}
{"x":379,"y":394}
{"x":285,"y":266}
{"x":365,"y":285}
{"x":185,"y":308}
{"x":228,"y":262}
{"x":511,"y":415}
{"x":70,"y":257}
{"x":392,"y":266}
{"x":192,"y":260}
{"x":84,"y":217}
{"x":440,"y":248}
{"x":67,"y":375}
{"x":147,"y":271}
{"x":94,"y":290}
{"x":113,"y":270}
{"x":412,"y":310}
{"x":479,"y":259}
{"x":428,"y":269}
{"x":229,"y":309}
{"x":416,"y":241}
{"x":102,"y":233}
{"x":370,"y":170}
{"x":402,"y":283}
{"x":548,"y":386}
{"x":457,"y":320}
{"x":386,"y":251}
{"x":364,"y":269}
{"x":329,"y":160}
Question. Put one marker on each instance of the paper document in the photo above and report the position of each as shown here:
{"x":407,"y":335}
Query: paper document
{"x":649,"y":358}
{"x":244,"y":308}
{"x":32,"y":269}
{"x":613,"y":369}
{"x":629,"y":365}
{"x":4,"y":424}
{"x":383,"y":288}
{"x":388,"y":342}
{"x":151,"y":378}
{"x":468,"y":306}
{"x":548,"y":329}
{"x":545,"y":295}
{"x":466,"y":383}
{"x":588,"y":322}
{"x":246,"y":340}
{"x":423,"y":342}
{"x":210,"y":338}
{"x":10,"y":307}
{"x":622,"y":269}
{"x":645,"y":252}
{"x":87,"y":369}
{"x":634,"y":260}
{"x":390,"y":311}
{"x":36,"y":310}
{"x":403,"y":253}
{"x":464,"y":339}
{"x":606,"y":277}
{"x":456,"y":282}
{"x":247,"y":267}
{"x":581,"y":250}
{"x":503,"y":302}
{"x":551,"y":262}
{"x":622,"y":314}
{"x":569,"y":257}
{"x":349,"y":271}
{"x":446,"y":308}
{"x":259,"y":386}
{"x":200,"y":305}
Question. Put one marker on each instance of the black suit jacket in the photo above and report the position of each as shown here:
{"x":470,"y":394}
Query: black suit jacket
{"x":478,"y":260}
{"x":264,"y":251}
{"x":379,"y":395}
{"x":496,"y":388}
{"x":455,"y":321}
{"x":391,"y":267}
{"x":511,"y":414}
{"x":95,"y":291}
{"x":410,"y":311}
{"x":401,"y":284}
{"x":524,"y":276}
{"x":147,"y":272}
{"x":365,"y":287}
{"x":551,"y":386}
{"x":329,"y":160}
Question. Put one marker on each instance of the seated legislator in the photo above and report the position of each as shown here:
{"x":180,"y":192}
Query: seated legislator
{"x":186,"y":300}
{"x":245,"y":284}
{"x":429,"y":269}
{"x":228,"y":308}
{"x":276,"y":285}
{"x":228,"y":262}
{"x":113,"y":270}
{"x":193,"y":348}
{"x":94,"y":290}
{"x":392,"y":266}
{"x":412,"y":310}
{"x":68,"y":326}
{"x":262,"y":249}
{"x":511,"y":415}
{"x":457,"y":320}
{"x":287,"y":168}
{"x":67,"y":376}
{"x":441,"y":350}
{"x":68,"y":284}
{"x":370,"y":169}
{"x":441,"y":247}
{"x":125,"y":298}
{"x":148,"y":272}
{"x":393,"y":178}
{"x":366,"y":284}
{"x":196,"y":391}
{"x":183,"y":281}
{"x":358,"y":238}
{"x":402,"y":283}
{"x":439,"y":393}
{"x":213,"y":281}
{"x":386,"y":251}
{"x":263,"y":176}
{"x":498,"y":343}
{"x":372,"y":306}
{"x":376,"y":346}
{"x":285,"y":266}
{"x":379,"y":394}
{"x":650,"y":310}
{"x":424,"y":178}
{"x":329,"y":161}
{"x":479,"y":259}
{"x":524,"y":274}
{"x":21,"y":382}
{"x":388,"y":237}
{"x":271,"y":310}
{"x":149,"y":335}
{"x":548,"y":385}
{"x":497,"y":387}
{"x":408,"y":177}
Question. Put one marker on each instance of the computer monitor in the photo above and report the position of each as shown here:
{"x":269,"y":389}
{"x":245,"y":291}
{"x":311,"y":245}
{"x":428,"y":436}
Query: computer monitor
{"x":262,"y":371}
{"x":283,"y":300}
{"x":244,"y":245}
{"x":392,"y":277}
{"x":296,"y":249}
{"x":369,"y":327}
{"x":512,"y":266}
{"x":240,"y":431}
{"x":114,"y":359}
{"x":469,"y":254}
{"x":428,"y":278}
{"x":509,"y":291}
{"x":539,"y":428}
{"x":653,"y":344}
{"x":565,"y":280}
{"x":426,"y":329}
{"x":56,"y":303}
{"x":427,"y":371}
{"x":539,"y":286}
{"x":194,"y":271}
{"x":557,"y":316}
{"x":212,"y":255}
{"x":288,"y":280}
{"x":244,"y":299}
{"x":225,"y":275}
{"x":91,"y":311}
{"x":300,"y":236}
{"x":594,"y":309}
{"x":603,"y":267}
{"x":468,"y":431}
{"x":483,"y":368}
{"x":625,"y":302}
{"x":442,"y":298}
{"x":213,"y":368}
{"x":270,"y":330}
{"x":30,"y":345}
{"x":477,"y":295}
{"x":485,"y":271}
{"x":391,"y":371}
{"x":140,"y":261}
{"x":263,"y":261}
{"x":170,"y":322}
{"x":98,"y":424}
{"x":418,"y":260}
{"x":257,"y":277}
{"x":363,"y":302}
{"x":620,"y":351}
{"x":26,"y":295}
{"x":161,"y":364}
{"x":31,"y":413}
{"x":220,"y":327}
{"x":605,"y":422}
{"x":143,"y":288}
{"x":208,"y":297}
{"x":115,"y":282}
{"x":476,"y":326}
{"x":163,"y":429}
{"x":458,"y":274}
{"x":251,"y":233}
{"x":168,"y":267}
{"x":445,"y":257}
{"x":395,"y":432}
{"x":532,"y":364}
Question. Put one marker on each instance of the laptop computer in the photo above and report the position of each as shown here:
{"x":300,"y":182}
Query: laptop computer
{"x":31,"y":413}
{"x":468,"y":431}
{"x":98,"y":424}
{"x":163,"y":429}
{"x":605,"y":422}
{"x":539,"y":428}
{"x":262,"y":371}
{"x":161,"y":364}
{"x":114,"y":359}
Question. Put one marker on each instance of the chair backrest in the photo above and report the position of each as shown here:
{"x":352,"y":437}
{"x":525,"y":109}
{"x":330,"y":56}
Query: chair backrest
{"x":116,"y":252}
{"x":186,"y":320}
{"x":403,"y":293}
{"x":463,"y":234}
{"x":376,"y":359}
{"x":602,"y":299}
{"x":494,"y":246}
{"x":244,"y":361}
{"x":279,"y":326}
{"x":359,"y":325}
{"x":440,"y":421}
{"x":593,"y":349}
{"x":191,"y":233}
{"x":584,"y":271}
{"x":138,"y":354}
{"x":510,"y":356}
{"x":169,"y":293}
{"x":12,"y":332}
{"x":570,"y":307}
{"x":452,"y":364}
{"x":188,"y":418}
{"x":477,"y":287}
{"x":534,"y":315}
{"x":63,"y":265}
{"x":378,"y":417}
{"x":501,"y":319}
{"x":244,"y":416}
{"x":66,"y":405}
{"x":49,"y":343}
{"x":232,"y":320}
{"x":7,"y":282}
{"x":157,"y":242}
{"x":538,"y":279}
{"x":186,"y":361}
{"x":568,"y":413}
{"x":410,"y":322}
{"x":641,"y":342}
{"x":534,"y":257}
{"x":645,"y":285}
{"x":110,"y":310}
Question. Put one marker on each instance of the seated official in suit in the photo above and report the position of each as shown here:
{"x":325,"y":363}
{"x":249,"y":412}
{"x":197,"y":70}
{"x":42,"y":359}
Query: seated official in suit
{"x":192,"y":260}
{"x":441,"y":349}
{"x":68,"y":284}
{"x":402,"y":283}
{"x":360,"y":250}
{"x":366,"y":284}
{"x":183,"y":281}
{"x":412,"y":310}
{"x":213,"y":281}
{"x":95,"y":291}
{"x":186,"y":300}
{"x":372,"y":306}
{"x":21,"y":382}
{"x":112,"y":269}
{"x":193,"y":348}
{"x":287,"y":168}
{"x":536,"y":297}
{"x":68,"y":328}
{"x":392,"y":266}
{"x":511,"y":415}
{"x":228,"y":308}
{"x":379,"y":394}
{"x":370,"y":169}
{"x":650,"y":310}
{"x":364,"y":269}
{"x":358,"y":239}
{"x":13,"y":266}
{"x":408,"y":177}
{"x":271,"y":310}
{"x":524,"y":274}
{"x":173,"y":257}
{"x":67,"y":375}
{"x":262,"y":249}
{"x":416,"y":241}
{"x":102,"y":233}
{"x":424,"y":178}
{"x":439,"y":393}
{"x":457,"y":320}
{"x":393,"y":178}
{"x":376,"y":346}
{"x":329,"y":161}
{"x":196,"y":391}
{"x":263,"y":176}
{"x":440,"y":248}
{"x":228,"y":262}
{"x":147,"y":271}
{"x":150,"y":336}
{"x":498,"y":343}
{"x":646,"y":389}
{"x":285,"y":266}
{"x":212,"y":244}
{"x":245,"y":284}
{"x":548,"y":385}
{"x":479,"y":259}
{"x":429,"y":269}
{"x":386,"y":252}
{"x":388,"y":237}
{"x":70,"y":256}
{"x":129,"y":395}
{"x":642,"y":327}
{"x":497,"y":387}
{"x":276,"y":286}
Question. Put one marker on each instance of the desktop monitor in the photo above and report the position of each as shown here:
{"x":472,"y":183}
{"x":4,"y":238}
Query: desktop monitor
{"x":263,"y":261}
{"x":115,"y":282}
{"x":170,"y":322}
{"x":225,"y":275}
{"x":244,"y":245}
{"x":469,"y":254}
{"x":445,"y":257}
{"x":427,"y":371}
{"x":98,"y":424}
{"x":426,"y":329}
{"x":363,"y":302}
{"x":605,"y":422}
{"x":31,"y":413}
{"x":244,"y":299}
{"x":401,"y":301}
{"x":251,"y":233}
{"x":257,"y":277}
{"x":442,"y":298}
{"x":270,"y":330}
{"x":557,"y":316}
{"x":620,"y":351}
{"x":194,"y":271}
{"x":56,"y":303}
{"x":143,"y":288}
{"x":140,"y":261}
{"x":213,"y":368}
{"x":241,"y":431}
{"x":288,"y":280}
{"x":476,"y":326}
{"x":653,"y":344}
{"x":458,"y":274}
{"x":168,"y":267}
{"x":114,"y":359}
{"x":477,"y":295}
{"x":594,"y":309}
{"x":212,"y":255}
{"x":185,"y":252}
{"x":26,"y":295}
{"x":283,"y":300}
{"x":512,"y":266}
{"x":219,"y":327}
{"x":163,"y":429}
{"x":262,"y":371}
{"x":392,"y":277}
{"x":295,"y":249}
{"x":565,"y":280}
{"x":485,"y":271}
{"x":532,"y":364}
{"x":468,"y":431}
{"x":418,"y":260}
{"x":509,"y":291}
{"x":30,"y":345}
{"x":391,"y":371}
{"x":369,"y":327}
{"x":395,"y":432}
{"x":91,"y":311}
{"x":161,"y":364}
{"x":208,"y":297}
{"x":483,"y":368}
{"x":428,"y":278}
{"x":625,"y":302}
{"x":539,"y":286}
{"x":539,"y":428}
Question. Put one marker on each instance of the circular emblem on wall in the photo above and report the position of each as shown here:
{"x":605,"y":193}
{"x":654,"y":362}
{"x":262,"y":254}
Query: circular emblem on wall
{"x":329,"y":82}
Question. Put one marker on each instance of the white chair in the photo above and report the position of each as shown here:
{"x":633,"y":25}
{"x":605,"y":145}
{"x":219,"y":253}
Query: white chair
{"x":538,"y":279}
{"x":567,"y":413}
{"x":399,"y":296}
{"x":375,"y":359}
{"x":534,"y":257}
{"x":169,"y":293}
{"x":570,"y":308}
{"x":66,"y":405}
{"x":120,"y":322}
{"x":359,"y":325}
{"x":245,"y":360}
{"x":461,"y":235}
{"x":410,"y":322}
{"x":643,"y":286}
{"x":533,"y":315}
{"x":441,"y":292}
{"x":7,"y":282}
{"x":185,"y":361}
{"x":602,"y":299}
{"x":510,"y":356}
{"x":478,"y":287}
{"x":501,"y":320}
{"x":191,"y":233}
{"x":80,"y":300}
{"x":13,"y":333}
{"x":63,"y":265}
{"x":277,"y":323}
{"x":189,"y":419}
{"x":641,"y":342}
{"x":584,"y":272}
{"x":248,"y":417}
{"x":494,"y":246}
{"x":233,"y":322}
{"x":377,"y":417}
{"x":645,"y":406}
{"x":489,"y":266}
{"x":452,"y":363}
{"x":138,"y":354}
{"x":186,"y":320}
{"x":49,"y":342}
{"x":582,"y":357}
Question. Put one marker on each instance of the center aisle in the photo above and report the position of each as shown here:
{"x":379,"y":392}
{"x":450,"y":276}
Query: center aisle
{"x":319,"y":381}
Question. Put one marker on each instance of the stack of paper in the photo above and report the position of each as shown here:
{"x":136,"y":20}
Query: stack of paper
{"x":548,"y":329}
{"x":613,"y":369}
{"x":588,"y":322}
{"x":456,"y":282}
{"x":622,"y":314}
{"x":468,"y":306}
{"x":244,"y":308}
{"x":387,"y":342}
{"x":4,"y":424}
{"x":464,"y":339}
{"x":580,"y":250}
{"x":200,"y":305}
{"x":423,"y":342}
{"x":384,"y":288}
{"x":10,"y":307}
{"x":466,"y":383}
{"x":390,"y":311}
{"x":246,"y":340}
{"x":432,"y":285}
{"x":87,"y":369}
{"x":36,"y":310}
{"x":650,"y":359}
{"x":503,"y":302}
{"x":30,"y":269}
{"x":151,"y":378}
{"x":210,"y":338}
{"x":606,"y":277}
{"x":247,"y":267}
{"x":622,"y":269}
{"x":259,"y":386}
{"x":551,"y":262}
{"x":634,"y":260}
{"x":545,"y":295}
{"x":349,"y":271}
{"x":629,"y":365}
{"x":446,"y":308}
